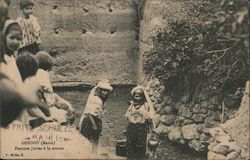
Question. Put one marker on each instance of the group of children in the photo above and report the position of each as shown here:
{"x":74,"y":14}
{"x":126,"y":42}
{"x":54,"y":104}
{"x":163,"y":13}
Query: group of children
{"x":25,"y":72}
{"x":27,"y":94}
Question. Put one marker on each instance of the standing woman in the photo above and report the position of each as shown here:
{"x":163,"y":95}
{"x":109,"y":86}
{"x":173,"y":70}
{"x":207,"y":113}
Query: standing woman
{"x":90,"y":122}
{"x":140,"y":115}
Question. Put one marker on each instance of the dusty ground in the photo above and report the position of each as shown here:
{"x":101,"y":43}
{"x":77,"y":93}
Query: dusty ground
{"x":114,"y":123}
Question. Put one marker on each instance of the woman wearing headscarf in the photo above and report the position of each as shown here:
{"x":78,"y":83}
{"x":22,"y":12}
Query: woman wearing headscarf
{"x":90,"y":122}
{"x":140,"y":115}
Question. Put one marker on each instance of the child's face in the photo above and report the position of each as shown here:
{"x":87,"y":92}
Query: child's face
{"x":138,"y":95}
{"x":27,"y":11}
{"x":13,"y":39}
{"x":104,"y":92}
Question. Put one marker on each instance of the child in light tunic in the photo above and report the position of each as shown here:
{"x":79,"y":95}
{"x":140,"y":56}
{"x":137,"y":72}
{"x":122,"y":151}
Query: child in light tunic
{"x":91,"y":120}
{"x":60,"y":109}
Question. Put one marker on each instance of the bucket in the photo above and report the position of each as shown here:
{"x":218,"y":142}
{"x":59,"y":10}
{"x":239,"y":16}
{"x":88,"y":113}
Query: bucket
{"x":152,"y":144}
{"x":121,"y":148}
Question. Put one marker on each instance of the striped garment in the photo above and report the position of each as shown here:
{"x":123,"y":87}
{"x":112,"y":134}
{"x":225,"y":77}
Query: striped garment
{"x":31,"y":31}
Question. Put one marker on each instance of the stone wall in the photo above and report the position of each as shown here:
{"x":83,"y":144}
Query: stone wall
{"x":231,"y":140}
{"x":187,"y":120}
{"x":96,"y":38}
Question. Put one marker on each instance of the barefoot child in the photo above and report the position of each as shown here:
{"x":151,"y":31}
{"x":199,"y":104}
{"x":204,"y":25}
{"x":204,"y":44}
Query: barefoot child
{"x":140,"y":115}
{"x":90,"y":123}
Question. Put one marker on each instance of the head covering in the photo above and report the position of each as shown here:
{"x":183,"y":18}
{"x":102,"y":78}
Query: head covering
{"x":25,"y":3}
{"x":148,"y":100}
{"x":7,"y":24}
{"x":104,"y":84}
{"x":139,"y":87}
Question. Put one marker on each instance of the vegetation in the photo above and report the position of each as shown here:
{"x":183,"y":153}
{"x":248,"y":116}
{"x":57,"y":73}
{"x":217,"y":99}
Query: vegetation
{"x":206,"y":46}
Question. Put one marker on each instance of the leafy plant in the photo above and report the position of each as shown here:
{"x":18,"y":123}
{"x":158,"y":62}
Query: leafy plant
{"x":208,"y":47}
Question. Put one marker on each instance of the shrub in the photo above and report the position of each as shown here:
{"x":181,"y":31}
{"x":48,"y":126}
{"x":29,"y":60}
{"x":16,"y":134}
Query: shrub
{"x":208,"y":48}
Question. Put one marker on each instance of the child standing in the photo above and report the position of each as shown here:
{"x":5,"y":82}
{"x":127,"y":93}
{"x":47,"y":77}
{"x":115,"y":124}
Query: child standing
{"x":140,"y":115}
{"x":30,"y":27}
{"x":90,"y":122}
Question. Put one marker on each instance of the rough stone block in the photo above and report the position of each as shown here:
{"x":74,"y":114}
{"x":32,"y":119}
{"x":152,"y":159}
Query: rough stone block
{"x":198,"y":118}
{"x":233,"y":155}
{"x":175,"y":135}
{"x":190,"y":132}
{"x":221,"y":149}
{"x":196,"y":145}
{"x":163,"y":129}
{"x":214,"y":156}
{"x":233,"y":146}
{"x":204,"y":137}
{"x":187,"y":121}
{"x":168,"y":119}
{"x":185,"y":112}
{"x":168,"y":110}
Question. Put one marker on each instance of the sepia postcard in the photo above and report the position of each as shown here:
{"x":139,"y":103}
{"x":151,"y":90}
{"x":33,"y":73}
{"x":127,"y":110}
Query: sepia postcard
{"x":124,"y":79}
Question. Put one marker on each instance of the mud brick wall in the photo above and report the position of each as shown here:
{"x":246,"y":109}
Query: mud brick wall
{"x":96,"y":38}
